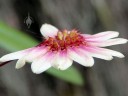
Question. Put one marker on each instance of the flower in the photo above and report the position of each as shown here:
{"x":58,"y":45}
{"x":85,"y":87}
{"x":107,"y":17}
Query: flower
{"x":61,"y":48}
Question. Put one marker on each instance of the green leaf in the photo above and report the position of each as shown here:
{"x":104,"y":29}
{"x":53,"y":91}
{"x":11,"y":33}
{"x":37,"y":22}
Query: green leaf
{"x":71,"y":75}
{"x":13,"y":40}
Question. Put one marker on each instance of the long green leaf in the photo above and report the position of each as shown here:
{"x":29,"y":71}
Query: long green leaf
{"x":13,"y":40}
{"x":71,"y":75}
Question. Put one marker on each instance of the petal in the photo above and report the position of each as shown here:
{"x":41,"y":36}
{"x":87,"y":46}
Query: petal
{"x":48,"y":30}
{"x":106,"y":33}
{"x":62,"y":61}
{"x":78,"y":56}
{"x":67,"y":64}
{"x":20,"y":63}
{"x":14,"y":55}
{"x":109,"y":42}
{"x":111,"y":52}
{"x":102,"y":36}
{"x":32,"y":55}
{"x":35,"y":53}
{"x":88,"y":57}
{"x":42,"y":64}
{"x":97,"y":53}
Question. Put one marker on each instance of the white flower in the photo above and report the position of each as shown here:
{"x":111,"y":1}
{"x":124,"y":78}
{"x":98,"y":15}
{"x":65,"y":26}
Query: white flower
{"x":60,"y":48}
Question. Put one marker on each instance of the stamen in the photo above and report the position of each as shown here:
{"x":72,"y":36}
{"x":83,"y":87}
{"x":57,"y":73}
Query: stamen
{"x":60,"y":35}
{"x":64,"y":39}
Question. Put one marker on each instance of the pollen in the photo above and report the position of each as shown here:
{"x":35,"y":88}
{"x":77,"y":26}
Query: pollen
{"x":64,"y":39}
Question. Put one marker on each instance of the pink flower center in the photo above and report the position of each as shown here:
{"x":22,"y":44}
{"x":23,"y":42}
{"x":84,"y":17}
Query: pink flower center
{"x":64,"y":39}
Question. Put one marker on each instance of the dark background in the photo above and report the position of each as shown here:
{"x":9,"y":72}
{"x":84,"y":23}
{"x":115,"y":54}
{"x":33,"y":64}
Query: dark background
{"x":105,"y":78}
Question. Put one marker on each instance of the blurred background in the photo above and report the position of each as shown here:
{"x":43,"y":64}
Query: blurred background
{"x":105,"y":78}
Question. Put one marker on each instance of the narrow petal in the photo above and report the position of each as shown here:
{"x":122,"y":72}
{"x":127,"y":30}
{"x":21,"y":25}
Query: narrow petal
{"x":88,"y":57}
{"x":31,"y":56}
{"x":111,"y":52}
{"x":48,"y":30}
{"x":14,"y":55}
{"x":109,"y":42}
{"x":78,"y":56}
{"x":110,"y":33}
{"x":62,"y":61}
{"x":35,"y":53}
{"x":42,"y":64}
{"x":102,"y":36}
{"x":97,"y":53}
{"x":20,"y":63}
{"x":66,"y":65}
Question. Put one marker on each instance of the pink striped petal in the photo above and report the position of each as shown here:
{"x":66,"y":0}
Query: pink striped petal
{"x":102,"y":36}
{"x":15,"y":55}
{"x":43,"y":63}
{"x":111,"y":52}
{"x":62,"y":61}
{"x":31,"y":56}
{"x":78,"y":56}
{"x":96,"y":52}
{"x":108,"y":42}
{"x":35,"y":53}
{"x":48,"y":30}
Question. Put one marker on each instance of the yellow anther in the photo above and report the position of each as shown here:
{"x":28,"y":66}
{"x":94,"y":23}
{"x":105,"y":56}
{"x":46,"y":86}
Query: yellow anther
{"x":65,"y":33}
{"x":60,"y":35}
{"x":73,"y":34}
{"x":68,"y":40}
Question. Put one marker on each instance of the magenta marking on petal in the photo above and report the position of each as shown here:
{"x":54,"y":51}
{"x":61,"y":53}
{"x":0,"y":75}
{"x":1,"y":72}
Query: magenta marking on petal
{"x":90,"y":49}
{"x":39,"y":49}
{"x":63,"y":52}
{"x":76,"y":50}
{"x":47,"y":56}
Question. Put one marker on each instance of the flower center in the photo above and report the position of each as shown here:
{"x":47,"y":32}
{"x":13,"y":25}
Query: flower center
{"x":64,"y":39}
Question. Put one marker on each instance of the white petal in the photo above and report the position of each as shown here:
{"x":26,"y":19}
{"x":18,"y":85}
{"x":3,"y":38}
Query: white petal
{"x":109,"y":42}
{"x":62,"y":61}
{"x":110,"y":33}
{"x":42,"y":64}
{"x":80,"y":57}
{"x":103,"y":36}
{"x":97,"y":53}
{"x":111,"y":52}
{"x":88,"y":57}
{"x":20,"y":63}
{"x":67,"y":64}
{"x":48,"y":30}
{"x":14,"y":55}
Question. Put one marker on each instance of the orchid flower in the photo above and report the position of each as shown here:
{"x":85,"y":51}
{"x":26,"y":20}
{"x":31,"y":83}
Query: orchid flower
{"x":61,"y":48}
